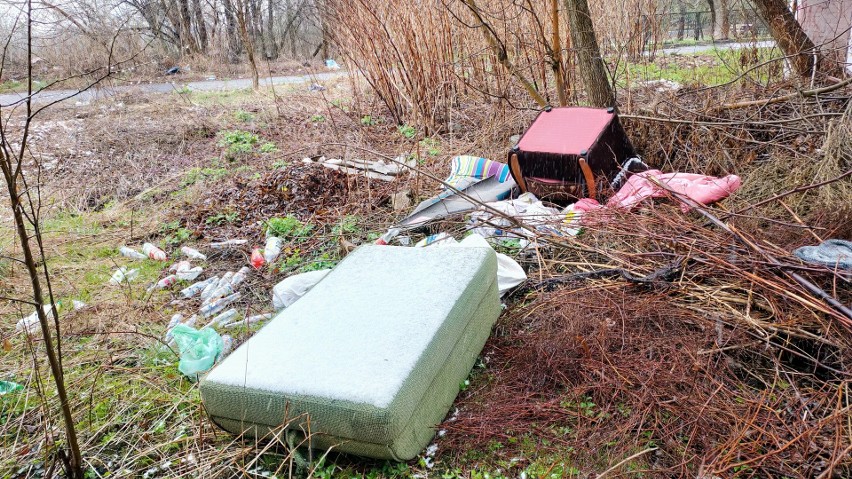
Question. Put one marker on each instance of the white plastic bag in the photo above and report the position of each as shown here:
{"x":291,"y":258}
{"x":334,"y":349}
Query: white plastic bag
{"x":294,"y":287}
{"x":509,"y":272}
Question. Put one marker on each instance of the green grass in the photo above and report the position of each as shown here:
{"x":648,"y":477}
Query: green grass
{"x":12,"y":86}
{"x":712,"y":67}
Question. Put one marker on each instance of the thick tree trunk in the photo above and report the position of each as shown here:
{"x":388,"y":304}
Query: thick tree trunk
{"x":234,"y":46}
{"x":681,"y":21}
{"x":186,"y":39}
{"x":200,"y":25}
{"x":270,"y":31}
{"x":590,"y":64}
{"x":787,"y":32}
{"x":721,"y":22}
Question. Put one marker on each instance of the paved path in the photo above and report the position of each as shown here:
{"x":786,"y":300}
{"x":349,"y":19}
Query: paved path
{"x":209,"y":85}
{"x":226,"y":85}
{"x":715,"y":46}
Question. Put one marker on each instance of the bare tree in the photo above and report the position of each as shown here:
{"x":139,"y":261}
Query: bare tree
{"x":590,"y":64}
{"x":792,"y":40}
{"x":25,"y":211}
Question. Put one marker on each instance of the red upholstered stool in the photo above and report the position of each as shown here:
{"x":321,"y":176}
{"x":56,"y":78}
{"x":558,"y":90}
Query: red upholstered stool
{"x":569,"y":153}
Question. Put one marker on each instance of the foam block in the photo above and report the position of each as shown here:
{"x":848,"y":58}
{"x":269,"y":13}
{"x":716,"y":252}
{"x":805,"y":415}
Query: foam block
{"x":373,"y":354}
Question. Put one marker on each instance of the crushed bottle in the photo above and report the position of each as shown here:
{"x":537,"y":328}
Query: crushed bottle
{"x":272,"y":249}
{"x":154,"y":252}
{"x":131,"y":253}
{"x":193,"y":253}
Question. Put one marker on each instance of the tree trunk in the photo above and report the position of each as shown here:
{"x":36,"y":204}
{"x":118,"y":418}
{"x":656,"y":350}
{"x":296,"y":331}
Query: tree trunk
{"x":200,"y":25}
{"x":234,"y":46}
{"x":242,"y":12}
{"x":681,"y":21}
{"x":270,"y":31}
{"x":721,"y":22}
{"x":186,"y":39}
{"x":787,"y":32}
{"x":589,"y":62}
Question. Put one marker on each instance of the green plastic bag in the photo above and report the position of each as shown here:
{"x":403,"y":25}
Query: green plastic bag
{"x":199,"y":349}
{"x":9,"y":387}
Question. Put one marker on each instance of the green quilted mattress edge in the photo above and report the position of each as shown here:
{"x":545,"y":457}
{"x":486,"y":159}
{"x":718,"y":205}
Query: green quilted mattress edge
{"x":415,"y":434}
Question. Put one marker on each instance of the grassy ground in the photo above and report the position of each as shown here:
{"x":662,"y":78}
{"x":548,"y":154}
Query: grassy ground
{"x":189,"y":168}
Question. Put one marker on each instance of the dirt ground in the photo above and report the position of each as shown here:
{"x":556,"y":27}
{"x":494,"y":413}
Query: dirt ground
{"x":721,"y":371}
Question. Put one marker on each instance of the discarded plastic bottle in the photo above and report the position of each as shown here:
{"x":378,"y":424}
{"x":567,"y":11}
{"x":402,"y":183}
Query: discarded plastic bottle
{"x":123,"y":275}
{"x":228,"y":244}
{"x":226,"y":279}
{"x":189,"y":274}
{"x":154,"y":253}
{"x":180,"y":266}
{"x":223,"y":318}
{"x":218,"y":305}
{"x":228,"y":344}
{"x":257,"y":259}
{"x":208,"y":290}
{"x":250,"y":320}
{"x":192,"y":320}
{"x":240,"y":276}
{"x":386,"y":238}
{"x":272,"y":249}
{"x":164,"y":283}
{"x":131,"y":253}
{"x":198,"y":287}
{"x":176,"y":319}
{"x":219,"y":293}
{"x":193,"y":253}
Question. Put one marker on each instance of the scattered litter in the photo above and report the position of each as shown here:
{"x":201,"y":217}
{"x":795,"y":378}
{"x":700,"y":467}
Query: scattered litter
{"x":466,"y":170}
{"x":449,"y":202}
{"x":529,"y":211}
{"x":199,"y":349}
{"x":250,"y":320}
{"x":179,"y":266}
{"x":154,"y":252}
{"x":218,"y":305}
{"x":316,"y":87}
{"x":227,"y":345}
{"x":78,"y":305}
{"x":379,"y":170}
{"x":833,"y":253}
{"x":239,"y":276}
{"x":189,"y":274}
{"x":294,"y":287}
{"x":386,"y":238}
{"x":699,"y":188}
{"x":272,"y":249}
{"x":123,"y":275}
{"x":193,"y":253}
{"x":257,"y":260}
{"x":31,"y":324}
{"x":174,"y":321}
{"x":7,"y":387}
{"x":131,"y":253}
{"x":166,"y":282}
{"x":209,"y":288}
{"x":331,"y":64}
{"x":509,"y":272}
{"x":222,"y":318}
{"x":219,"y":292}
{"x":435,"y":238}
{"x":228,"y":244}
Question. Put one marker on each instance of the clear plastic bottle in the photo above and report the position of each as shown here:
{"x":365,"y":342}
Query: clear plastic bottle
{"x":154,"y":252}
{"x":218,"y":305}
{"x":193,"y":253}
{"x":131,"y":253}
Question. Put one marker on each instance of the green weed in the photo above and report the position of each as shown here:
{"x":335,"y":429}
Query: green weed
{"x":288,"y":227}
{"x":368,"y":120}
{"x":268,"y":147}
{"x":317,"y":118}
{"x":407,"y":131}
{"x":244,"y":116}
{"x":194,"y":175}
